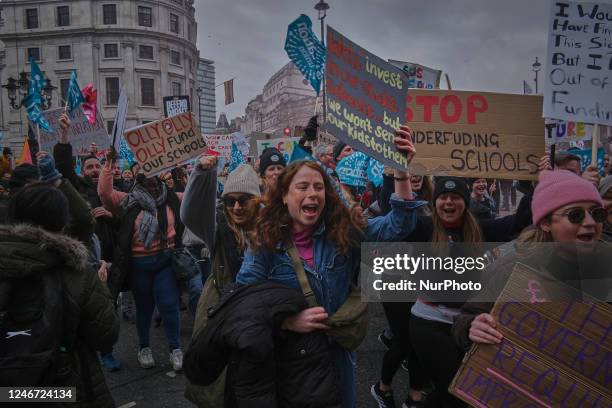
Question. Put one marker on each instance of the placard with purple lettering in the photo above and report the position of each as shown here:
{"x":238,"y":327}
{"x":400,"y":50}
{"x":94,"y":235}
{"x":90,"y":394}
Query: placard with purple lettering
{"x":554,"y":353}
{"x":366,"y":100}
{"x":578,"y":69}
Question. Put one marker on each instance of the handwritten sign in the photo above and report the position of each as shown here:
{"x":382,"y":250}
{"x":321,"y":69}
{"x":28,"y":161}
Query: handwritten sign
{"x":81,"y":134}
{"x":283,"y":145}
{"x":559,"y":131}
{"x":554,"y":353}
{"x":578,"y":77}
{"x":366,"y":99}
{"x":475,"y":134}
{"x":221,"y":144}
{"x":165,"y":143}
{"x":419,"y":76}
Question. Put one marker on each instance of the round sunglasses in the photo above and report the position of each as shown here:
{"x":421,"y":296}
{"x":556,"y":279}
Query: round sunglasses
{"x":577,"y":215}
{"x":230,"y":201}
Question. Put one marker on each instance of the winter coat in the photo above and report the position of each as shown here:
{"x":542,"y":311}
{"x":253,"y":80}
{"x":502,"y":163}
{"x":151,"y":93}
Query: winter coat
{"x":89,"y":313}
{"x":105,"y":228}
{"x":267,"y":367}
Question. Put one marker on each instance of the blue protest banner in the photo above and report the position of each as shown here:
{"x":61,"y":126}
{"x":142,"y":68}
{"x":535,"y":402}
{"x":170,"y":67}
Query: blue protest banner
{"x":353,"y":170}
{"x":306,"y":51}
{"x":74,"y":97}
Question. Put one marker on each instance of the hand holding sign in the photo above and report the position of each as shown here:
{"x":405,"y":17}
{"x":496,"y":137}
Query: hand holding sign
{"x":65,"y":124}
{"x":482,"y":330}
{"x":403,"y":142}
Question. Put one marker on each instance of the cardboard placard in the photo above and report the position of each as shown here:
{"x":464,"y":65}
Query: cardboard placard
{"x":475,"y":134}
{"x":554,"y":353}
{"x":165,"y":143}
{"x":578,"y":69}
{"x":366,"y":99}
{"x":81,"y":134}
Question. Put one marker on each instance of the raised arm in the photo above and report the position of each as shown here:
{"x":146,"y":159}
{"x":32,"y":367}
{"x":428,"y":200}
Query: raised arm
{"x":110,"y":197}
{"x":198,"y":204}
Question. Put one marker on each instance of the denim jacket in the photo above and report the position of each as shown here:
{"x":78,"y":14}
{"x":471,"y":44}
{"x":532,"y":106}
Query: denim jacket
{"x":333,"y":273}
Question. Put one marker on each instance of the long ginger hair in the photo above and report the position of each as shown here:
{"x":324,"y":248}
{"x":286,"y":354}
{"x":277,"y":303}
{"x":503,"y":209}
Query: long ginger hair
{"x":273,"y":225}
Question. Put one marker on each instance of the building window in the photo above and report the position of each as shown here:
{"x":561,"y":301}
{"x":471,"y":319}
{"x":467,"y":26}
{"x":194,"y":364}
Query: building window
{"x":145,"y":52}
{"x":31,"y":18}
{"x":34,"y":53}
{"x":190,"y":64}
{"x":147,"y":91}
{"x":176,"y":89}
{"x":145,"y":16}
{"x":64,"y":52}
{"x":64,"y":83}
{"x":109,"y":126}
{"x":112,"y":91}
{"x":189,"y":32}
{"x":180,"y":2}
{"x":63,"y":16}
{"x":109,"y":13}
{"x":174,"y":23}
{"x":111,"y":50}
{"x":175,"y":57}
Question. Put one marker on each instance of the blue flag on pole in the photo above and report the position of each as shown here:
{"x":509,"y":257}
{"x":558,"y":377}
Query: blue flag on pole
{"x":33,"y":100}
{"x":125,"y":153}
{"x":306,"y":51}
{"x":236,"y":158}
{"x":74,"y":97}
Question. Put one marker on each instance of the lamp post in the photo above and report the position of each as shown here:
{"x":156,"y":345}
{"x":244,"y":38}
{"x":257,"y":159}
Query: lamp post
{"x":19,"y":88}
{"x":536,"y":68}
{"x":322,"y":8}
{"x":200,"y":92}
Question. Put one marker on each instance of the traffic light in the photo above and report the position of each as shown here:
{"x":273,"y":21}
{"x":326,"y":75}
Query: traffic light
{"x":287,"y":131}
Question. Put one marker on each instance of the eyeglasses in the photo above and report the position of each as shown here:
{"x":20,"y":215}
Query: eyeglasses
{"x":576,"y":215}
{"x":230,"y":201}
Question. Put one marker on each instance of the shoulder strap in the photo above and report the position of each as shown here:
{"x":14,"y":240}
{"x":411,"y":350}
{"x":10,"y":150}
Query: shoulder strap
{"x":301,"y":275}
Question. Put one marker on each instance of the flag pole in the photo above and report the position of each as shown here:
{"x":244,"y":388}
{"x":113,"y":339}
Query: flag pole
{"x":38,"y":136}
{"x":594,"y":144}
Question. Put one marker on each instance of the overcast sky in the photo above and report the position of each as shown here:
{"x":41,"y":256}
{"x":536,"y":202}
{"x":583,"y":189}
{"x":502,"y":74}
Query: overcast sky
{"x":486,"y":45}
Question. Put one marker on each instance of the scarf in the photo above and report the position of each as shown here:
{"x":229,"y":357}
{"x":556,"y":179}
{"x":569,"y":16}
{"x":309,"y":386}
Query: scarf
{"x":149,"y":225}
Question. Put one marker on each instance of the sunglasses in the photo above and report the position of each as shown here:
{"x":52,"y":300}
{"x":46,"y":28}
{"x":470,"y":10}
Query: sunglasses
{"x":577,"y":215}
{"x":231,"y":201}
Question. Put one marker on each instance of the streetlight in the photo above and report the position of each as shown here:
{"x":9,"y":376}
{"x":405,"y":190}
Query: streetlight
{"x":20,"y":87}
{"x":536,"y":68}
{"x":200,"y":92}
{"x":322,"y":8}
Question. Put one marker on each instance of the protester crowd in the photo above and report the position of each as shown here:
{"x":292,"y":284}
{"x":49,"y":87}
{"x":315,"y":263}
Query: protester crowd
{"x":269,"y":268}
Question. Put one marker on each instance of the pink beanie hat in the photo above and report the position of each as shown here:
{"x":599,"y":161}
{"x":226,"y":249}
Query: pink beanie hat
{"x":559,"y":188}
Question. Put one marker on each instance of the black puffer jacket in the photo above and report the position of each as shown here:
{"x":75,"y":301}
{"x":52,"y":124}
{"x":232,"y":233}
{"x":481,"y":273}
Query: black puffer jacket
{"x":89,"y":314}
{"x":267,"y":367}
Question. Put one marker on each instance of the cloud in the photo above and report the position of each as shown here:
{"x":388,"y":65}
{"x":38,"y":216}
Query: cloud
{"x":486,"y":45}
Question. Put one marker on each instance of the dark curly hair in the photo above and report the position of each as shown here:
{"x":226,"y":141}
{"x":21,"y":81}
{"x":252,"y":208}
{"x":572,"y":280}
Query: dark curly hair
{"x":273,"y":225}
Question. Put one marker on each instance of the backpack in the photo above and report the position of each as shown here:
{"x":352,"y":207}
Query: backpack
{"x":32,"y":332}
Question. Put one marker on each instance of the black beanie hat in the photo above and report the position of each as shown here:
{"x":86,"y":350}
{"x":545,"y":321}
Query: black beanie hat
{"x":22,"y":175}
{"x":338,"y":149}
{"x":40,"y":204}
{"x":270,"y":157}
{"x":452,"y":185}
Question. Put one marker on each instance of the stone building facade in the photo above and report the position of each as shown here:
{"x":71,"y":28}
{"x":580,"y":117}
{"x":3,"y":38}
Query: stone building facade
{"x":147,"y":47}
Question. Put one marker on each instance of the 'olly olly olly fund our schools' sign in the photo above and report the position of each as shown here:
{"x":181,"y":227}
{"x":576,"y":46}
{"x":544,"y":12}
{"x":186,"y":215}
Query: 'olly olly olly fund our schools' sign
{"x":165,"y":143}
{"x":366,"y":99}
{"x":475,"y":134}
{"x":578,"y":77}
{"x":554,"y":353}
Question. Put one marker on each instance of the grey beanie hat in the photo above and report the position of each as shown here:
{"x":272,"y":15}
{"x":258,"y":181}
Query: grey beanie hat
{"x":605,"y":185}
{"x":242,"y":180}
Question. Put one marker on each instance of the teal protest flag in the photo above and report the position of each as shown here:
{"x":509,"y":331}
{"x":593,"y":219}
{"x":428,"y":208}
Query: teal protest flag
{"x":74,"y":97}
{"x":306,"y":51}
{"x":37,"y":79}
{"x":33,"y":100}
{"x":236,"y":158}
